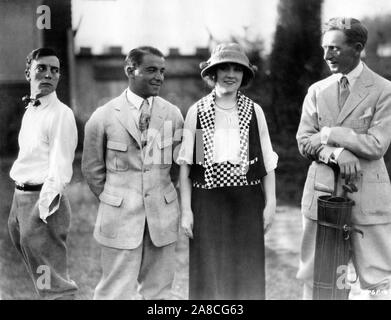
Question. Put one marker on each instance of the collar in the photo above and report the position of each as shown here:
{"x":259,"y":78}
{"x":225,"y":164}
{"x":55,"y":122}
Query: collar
{"x":206,"y":113}
{"x":353,"y":75}
{"x":209,"y":101}
{"x":46,"y":100}
{"x":136,"y":100}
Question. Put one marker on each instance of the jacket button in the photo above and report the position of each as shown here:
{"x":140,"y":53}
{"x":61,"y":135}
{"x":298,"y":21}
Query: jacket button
{"x":146,"y":195}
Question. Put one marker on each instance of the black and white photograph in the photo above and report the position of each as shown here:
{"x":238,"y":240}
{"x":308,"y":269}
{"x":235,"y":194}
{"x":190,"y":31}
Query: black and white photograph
{"x":195,"y":150}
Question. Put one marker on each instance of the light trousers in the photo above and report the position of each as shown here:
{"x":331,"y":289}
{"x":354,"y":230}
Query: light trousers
{"x":146,"y":272}
{"x":42,"y":246}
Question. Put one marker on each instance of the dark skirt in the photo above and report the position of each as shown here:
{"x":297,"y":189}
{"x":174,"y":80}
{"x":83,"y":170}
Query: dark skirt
{"x":227,"y":254}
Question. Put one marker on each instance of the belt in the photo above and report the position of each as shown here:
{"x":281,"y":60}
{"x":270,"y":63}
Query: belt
{"x":29,"y":187}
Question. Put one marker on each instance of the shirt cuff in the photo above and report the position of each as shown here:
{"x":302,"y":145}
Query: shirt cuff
{"x":183,"y":160}
{"x":335,"y":154}
{"x":325,"y":154}
{"x":324,"y":135}
{"x":271,"y":162}
{"x":50,"y":192}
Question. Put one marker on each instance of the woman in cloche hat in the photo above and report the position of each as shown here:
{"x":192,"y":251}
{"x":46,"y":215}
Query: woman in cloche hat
{"x":227,"y":183}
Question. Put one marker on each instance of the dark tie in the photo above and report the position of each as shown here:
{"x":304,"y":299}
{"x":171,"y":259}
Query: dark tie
{"x":343,"y":91}
{"x":26,"y":100}
{"x":143,"y":122}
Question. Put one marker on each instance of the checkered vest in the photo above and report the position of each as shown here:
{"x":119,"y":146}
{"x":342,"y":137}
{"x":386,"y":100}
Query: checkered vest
{"x":206,"y":174}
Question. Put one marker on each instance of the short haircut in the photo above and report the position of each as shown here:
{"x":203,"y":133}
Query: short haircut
{"x":353,"y":29}
{"x":211,"y":75}
{"x":38,"y":53}
{"x":135,"y":56}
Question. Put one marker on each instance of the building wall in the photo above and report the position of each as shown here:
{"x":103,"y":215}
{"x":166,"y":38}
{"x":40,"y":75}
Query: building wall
{"x":97,"y":80}
{"x":17,"y":38}
{"x":101,"y":78}
{"x":19,"y":35}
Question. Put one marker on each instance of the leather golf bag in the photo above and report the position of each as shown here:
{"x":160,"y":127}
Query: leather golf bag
{"x":332,"y":249}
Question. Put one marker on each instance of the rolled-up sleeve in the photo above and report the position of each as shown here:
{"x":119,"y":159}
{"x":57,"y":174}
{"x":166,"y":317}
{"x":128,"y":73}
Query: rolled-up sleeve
{"x":62,"y":146}
{"x":270,"y":158}
{"x":189,"y":130}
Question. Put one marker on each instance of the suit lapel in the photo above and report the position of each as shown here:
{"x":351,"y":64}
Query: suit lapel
{"x":125,"y":117}
{"x":357,"y":94}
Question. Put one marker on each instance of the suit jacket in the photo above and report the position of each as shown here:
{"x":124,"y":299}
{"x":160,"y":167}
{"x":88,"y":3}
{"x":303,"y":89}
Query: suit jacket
{"x":132,"y":187}
{"x":363,"y":126}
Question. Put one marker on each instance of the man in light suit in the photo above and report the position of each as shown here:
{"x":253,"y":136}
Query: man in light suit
{"x":346,"y":119}
{"x":128,"y":163}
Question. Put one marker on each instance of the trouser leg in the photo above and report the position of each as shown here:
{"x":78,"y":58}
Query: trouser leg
{"x":307,"y":257}
{"x":157,"y":269}
{"x":42,"y":245}
{"x":120,"y":269}
{"x":372,"y":260}
{"x":13,"y":226}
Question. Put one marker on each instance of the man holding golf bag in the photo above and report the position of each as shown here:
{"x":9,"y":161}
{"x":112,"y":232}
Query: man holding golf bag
{"x":346,"y":123}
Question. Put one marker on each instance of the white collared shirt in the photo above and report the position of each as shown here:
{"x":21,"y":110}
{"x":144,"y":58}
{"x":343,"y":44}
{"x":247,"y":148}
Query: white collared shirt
{"x":353,"y":75}
{"x":47,"y":143}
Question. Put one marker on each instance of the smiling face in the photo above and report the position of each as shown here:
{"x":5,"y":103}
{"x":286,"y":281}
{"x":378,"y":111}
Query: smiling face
{"x":146,"y":79}
{"x":229,"y":77}
{"x":43,"y":75}
{"x":340,"y":56}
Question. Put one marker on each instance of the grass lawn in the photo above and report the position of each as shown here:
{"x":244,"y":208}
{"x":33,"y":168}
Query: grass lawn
{"x":282,"y":248}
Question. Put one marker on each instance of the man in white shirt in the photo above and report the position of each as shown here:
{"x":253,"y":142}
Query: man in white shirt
{"x":40,"y":215}
{"x":128,"y":162}
{"x":346,"y":120}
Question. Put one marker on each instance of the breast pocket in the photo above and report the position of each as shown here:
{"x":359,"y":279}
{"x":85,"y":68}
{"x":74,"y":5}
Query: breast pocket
{"x":324,"y":121}
{"x":359,"y":125}
{"x":116,"y":156}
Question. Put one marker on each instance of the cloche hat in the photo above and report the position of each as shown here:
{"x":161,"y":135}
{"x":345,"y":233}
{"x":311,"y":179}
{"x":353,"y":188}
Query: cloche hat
{"x":228,"y":53}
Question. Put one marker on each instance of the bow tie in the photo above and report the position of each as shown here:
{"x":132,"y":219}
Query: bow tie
{"x":26,"y":100}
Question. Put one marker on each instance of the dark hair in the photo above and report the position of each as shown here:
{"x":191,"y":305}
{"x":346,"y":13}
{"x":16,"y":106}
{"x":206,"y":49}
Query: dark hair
{"x":38,"y":53}
{"x":353,"y":29}
{"x":135,"y":56}
{"x":211,"y":75}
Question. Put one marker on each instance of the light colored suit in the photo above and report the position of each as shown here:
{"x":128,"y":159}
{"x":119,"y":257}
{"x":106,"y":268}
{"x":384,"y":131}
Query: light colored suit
{"x":364,"y":128}
{"x":135,"y":188}
{"x":365,"y":122}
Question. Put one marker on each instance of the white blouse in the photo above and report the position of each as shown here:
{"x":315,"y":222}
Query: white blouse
{"x":226,"y":138}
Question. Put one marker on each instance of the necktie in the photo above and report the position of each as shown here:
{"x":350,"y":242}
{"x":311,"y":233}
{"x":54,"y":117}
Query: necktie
{"x":343,"y":91}
{"x":143,"y":122}
{"x":26,"y":100}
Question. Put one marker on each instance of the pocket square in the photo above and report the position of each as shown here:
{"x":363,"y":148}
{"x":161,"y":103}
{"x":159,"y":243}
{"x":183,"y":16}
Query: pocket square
{"x":367,"y":113}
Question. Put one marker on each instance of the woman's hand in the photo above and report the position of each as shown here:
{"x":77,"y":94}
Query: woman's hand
{"x":268,"y":216}
{"x":187,"y":222}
